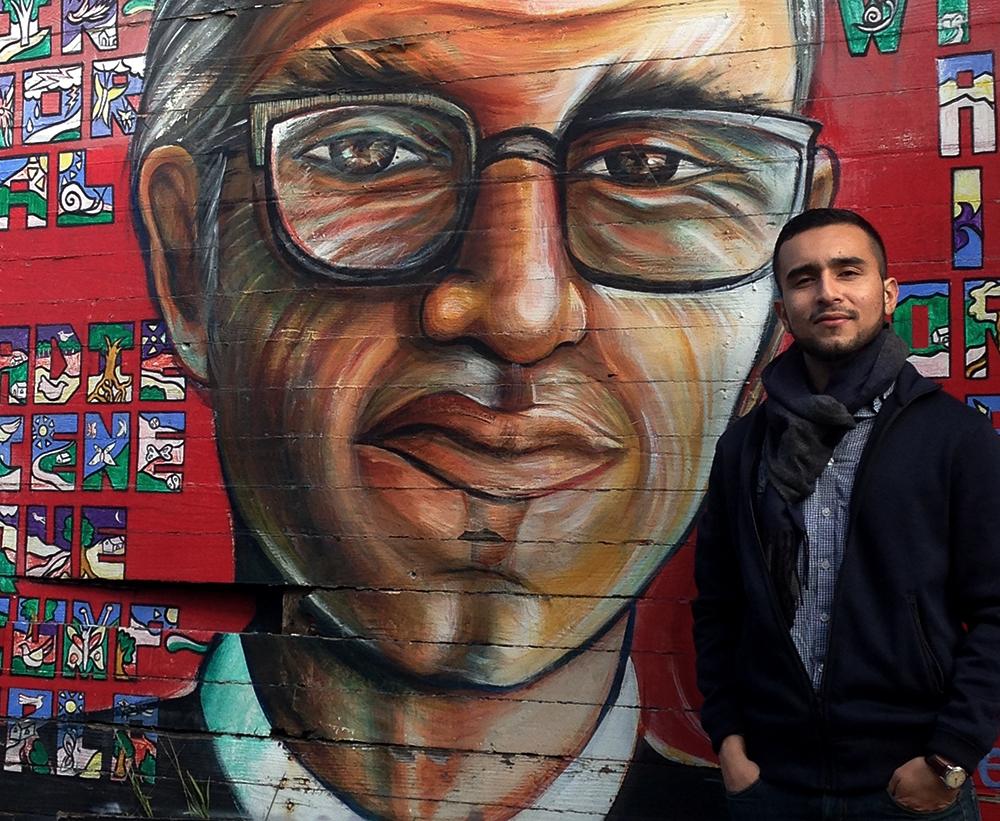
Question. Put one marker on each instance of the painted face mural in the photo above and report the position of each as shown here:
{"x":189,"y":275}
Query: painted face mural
{"x":472,"y":335}
{"x":365,"y":490}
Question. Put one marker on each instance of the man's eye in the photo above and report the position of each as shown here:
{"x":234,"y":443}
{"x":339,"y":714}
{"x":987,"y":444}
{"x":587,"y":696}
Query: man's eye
{"x":362,"y":155}
{"x":643,"y":166}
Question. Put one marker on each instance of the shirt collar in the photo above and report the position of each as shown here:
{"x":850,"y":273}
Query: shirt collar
{"x":873,"y":407}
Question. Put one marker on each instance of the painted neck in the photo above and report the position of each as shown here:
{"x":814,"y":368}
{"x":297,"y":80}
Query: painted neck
{"x":400,"y":750}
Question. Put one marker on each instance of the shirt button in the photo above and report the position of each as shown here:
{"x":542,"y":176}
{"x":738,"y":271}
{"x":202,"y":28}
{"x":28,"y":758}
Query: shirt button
{"x":825,"y":564}
{"x":824,"y":617}
{"x":826,"y":511}
{"x":831,"y":462}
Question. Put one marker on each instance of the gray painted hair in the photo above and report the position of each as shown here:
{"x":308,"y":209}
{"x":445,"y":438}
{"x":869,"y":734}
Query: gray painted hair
{"x":191,"y":94}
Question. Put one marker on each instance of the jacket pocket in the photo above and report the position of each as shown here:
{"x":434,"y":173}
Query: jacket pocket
{"x":932,"y":666}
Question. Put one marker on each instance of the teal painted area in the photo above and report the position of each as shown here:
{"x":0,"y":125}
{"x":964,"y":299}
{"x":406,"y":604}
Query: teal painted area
{"x":881,"y":21}
{"x":953,"y":22}
{"x":937,"y":316}
{"x":138,"y":6}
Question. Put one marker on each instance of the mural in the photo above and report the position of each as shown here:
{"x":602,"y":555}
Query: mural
{"x":953,"y":22}
{"x":923,"y":321}
{"x":967,"y":193}
{"x":360,"y":376}
{"x":982,"y":325}
{"x":966,"y":86}
{"x":53,"y":105}
{"x":880,"y":21}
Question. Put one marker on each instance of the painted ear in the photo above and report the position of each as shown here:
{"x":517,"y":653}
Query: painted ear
{"x":168,"y":203}
{"x":825,"y":178}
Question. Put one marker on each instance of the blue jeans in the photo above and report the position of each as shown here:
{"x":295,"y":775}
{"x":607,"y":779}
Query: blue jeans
{"x":765,"y":802}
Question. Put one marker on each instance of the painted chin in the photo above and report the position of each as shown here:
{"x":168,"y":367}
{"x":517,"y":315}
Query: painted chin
{"x":492,"y":640}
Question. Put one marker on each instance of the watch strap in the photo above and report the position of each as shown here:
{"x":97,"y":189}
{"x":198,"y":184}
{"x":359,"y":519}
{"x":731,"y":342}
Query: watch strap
{"x":951,"y":775}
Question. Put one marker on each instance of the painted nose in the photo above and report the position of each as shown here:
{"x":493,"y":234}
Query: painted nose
{"x":514,"y":289}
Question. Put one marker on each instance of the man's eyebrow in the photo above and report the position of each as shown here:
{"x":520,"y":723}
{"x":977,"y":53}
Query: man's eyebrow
{"x":833,"y":262}
{"x":847,"y":262}
{"x":805,"y":268}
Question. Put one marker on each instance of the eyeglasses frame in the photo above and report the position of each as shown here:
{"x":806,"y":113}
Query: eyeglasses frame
{"x":532,"y":144}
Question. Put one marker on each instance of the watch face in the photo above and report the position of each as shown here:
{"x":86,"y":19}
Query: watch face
{"x":954,"y":777}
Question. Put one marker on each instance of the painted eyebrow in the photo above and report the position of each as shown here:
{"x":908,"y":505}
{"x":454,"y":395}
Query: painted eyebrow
{"x":338,"y":69}
{"x":331,"y":70}
{"x":649,"y":91}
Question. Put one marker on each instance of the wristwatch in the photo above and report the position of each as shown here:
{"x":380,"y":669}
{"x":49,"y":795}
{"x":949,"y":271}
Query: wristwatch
{"x":951,"y":775}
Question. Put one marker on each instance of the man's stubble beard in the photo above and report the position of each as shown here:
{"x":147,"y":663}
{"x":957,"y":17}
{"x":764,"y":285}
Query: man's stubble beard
{"x":839,"y":352}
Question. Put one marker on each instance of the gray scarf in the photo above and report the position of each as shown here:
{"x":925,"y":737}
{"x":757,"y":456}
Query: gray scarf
{"x":803,"y":428}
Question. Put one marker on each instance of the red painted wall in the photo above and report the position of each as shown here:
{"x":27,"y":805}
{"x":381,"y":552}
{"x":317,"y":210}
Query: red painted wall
{"x":120,"y":542}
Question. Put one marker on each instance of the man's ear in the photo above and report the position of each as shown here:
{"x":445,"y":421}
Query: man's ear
{"x":890,"y":289}
{"x":779,"y":309}
{"x":168,"y":202}
{"x":825,"y":178}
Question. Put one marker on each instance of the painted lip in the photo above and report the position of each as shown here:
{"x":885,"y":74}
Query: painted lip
{"x":520,"y":454}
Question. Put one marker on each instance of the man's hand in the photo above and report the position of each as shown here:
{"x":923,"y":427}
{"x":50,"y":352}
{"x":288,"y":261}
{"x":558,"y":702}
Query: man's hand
{"x":738,"y":771}
{"x":917,"y":787}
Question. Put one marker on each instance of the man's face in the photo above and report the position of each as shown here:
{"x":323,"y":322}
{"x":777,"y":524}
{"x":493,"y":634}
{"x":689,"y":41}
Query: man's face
{"x":513,"y":445}
{"x":834,"y":299}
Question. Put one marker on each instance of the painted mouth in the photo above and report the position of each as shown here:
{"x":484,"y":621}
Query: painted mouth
{"x":520,"y":454}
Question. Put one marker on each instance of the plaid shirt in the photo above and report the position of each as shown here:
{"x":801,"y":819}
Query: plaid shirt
{"x":826,"y":514}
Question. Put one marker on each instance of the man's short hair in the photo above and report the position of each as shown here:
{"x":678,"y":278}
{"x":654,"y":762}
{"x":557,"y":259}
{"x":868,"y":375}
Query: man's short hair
{"x":821,"y":218}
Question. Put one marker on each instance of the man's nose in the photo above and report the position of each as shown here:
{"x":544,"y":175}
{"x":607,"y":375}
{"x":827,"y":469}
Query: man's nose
{"x":828,"y":288}
{"x":514,"y":288}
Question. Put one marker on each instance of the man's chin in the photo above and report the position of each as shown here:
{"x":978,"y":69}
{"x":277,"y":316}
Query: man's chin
{"x":836,"y":351}
{"x":830,"y":352}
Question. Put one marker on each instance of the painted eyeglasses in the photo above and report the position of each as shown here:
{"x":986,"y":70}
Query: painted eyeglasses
{"x":378,"y":189}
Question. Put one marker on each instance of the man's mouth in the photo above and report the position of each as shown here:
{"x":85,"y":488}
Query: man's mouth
{"x":833,"y":319}
{"x":503,"y":454}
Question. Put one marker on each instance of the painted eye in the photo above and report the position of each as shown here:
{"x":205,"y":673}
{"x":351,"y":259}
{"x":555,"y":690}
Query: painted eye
{"x":644,"y":166}
{"x":362,"y":155}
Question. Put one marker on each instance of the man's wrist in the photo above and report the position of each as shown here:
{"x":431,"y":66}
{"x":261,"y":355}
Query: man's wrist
{"x":733,"y":742}
{"x":733,"y":747}
{"x":951,"y":774}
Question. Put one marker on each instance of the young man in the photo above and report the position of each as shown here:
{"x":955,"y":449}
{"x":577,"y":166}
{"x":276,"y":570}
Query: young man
{"x":848,"y":616}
